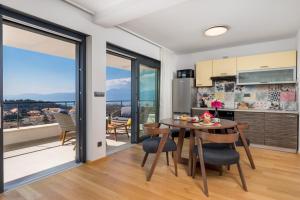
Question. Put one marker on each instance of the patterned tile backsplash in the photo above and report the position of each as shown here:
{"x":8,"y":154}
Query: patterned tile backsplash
{"x":262,"y":97}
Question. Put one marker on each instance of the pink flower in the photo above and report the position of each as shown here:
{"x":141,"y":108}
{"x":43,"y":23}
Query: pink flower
{"x":216,"y":104}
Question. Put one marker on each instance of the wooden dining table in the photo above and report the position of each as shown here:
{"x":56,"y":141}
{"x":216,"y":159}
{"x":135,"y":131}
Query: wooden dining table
{"x":183,"y":125}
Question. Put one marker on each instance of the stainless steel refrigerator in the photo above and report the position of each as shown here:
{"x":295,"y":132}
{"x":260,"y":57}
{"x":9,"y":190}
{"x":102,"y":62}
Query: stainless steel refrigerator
{"x":184,"y":96}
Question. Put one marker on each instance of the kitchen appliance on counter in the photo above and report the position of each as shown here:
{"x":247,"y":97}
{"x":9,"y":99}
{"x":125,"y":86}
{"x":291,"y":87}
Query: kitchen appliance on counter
{"x":184,"y":96}
{"x":185,"y":73}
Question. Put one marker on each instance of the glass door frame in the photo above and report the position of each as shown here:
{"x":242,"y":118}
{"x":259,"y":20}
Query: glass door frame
{"x":154,"y":64}
{"x":137,"y":59}
{"x":55,"y":30}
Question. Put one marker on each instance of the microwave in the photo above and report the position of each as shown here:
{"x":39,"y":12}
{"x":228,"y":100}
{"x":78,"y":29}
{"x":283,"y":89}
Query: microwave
{"x":185,"y":73}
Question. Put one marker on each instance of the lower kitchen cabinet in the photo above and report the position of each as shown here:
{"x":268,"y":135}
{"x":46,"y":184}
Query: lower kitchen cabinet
{"x":281,"y":130}
{"x":256,"y":131}
{"x":268,"y":128}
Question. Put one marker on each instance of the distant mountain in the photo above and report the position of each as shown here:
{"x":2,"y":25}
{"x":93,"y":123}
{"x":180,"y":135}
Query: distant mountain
{"x":43,"y":97}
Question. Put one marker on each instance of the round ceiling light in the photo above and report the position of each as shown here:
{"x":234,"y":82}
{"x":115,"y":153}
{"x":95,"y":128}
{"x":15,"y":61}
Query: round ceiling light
{"x":216,"y":31}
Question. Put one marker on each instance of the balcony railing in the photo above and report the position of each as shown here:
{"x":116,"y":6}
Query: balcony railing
{"x":18,"y":114}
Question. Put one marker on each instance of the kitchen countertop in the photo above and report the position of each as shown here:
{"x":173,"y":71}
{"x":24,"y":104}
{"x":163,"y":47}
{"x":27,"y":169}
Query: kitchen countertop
{"x":250,"y":110}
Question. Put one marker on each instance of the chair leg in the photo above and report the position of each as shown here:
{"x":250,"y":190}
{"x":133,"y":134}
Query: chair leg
{"x":167,"y":155}
{"x":194,"y":165}
{"x":246,"y":147}
{"x":175,"y":157}
{"x":115,"y":134}
{"x":63,"y":138}
{"x":159,"y":150}
{"x":221,"y":171}
{"x":202,"y":166}
{"x":126,"y":130}
{"x":144,"y":160}
{"x":242,"y":176}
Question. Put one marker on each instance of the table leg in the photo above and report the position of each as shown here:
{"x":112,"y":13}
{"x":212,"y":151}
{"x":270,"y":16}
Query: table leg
{"x":180,"y":144}
{"x":245,"y":144}
{"x":191,"y":147}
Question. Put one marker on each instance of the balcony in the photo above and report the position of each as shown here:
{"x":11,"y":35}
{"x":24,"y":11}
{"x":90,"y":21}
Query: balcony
{"x":120,"y":111}
{"x":32,"y":136}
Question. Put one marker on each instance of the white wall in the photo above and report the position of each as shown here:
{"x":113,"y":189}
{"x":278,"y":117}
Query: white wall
{"x":129,"y":41}
{"x":66,"y":15}
{"x":188,"y":60}
{"x":168,"y":67}
{"x":30,"y":133}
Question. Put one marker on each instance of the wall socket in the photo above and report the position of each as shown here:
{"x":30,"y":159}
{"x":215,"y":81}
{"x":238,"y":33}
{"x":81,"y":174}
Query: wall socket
{"x":99,"y":144}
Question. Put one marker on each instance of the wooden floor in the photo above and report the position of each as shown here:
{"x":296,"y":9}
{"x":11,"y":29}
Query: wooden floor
{"x":120,"y":176}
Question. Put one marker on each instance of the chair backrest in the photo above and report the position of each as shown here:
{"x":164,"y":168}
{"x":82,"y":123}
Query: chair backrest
{"x":154,"y":130}
{"x":218,"y":138}
{"x":65,"y":122}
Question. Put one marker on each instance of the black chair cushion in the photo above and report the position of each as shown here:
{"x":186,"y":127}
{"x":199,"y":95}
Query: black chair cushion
{"x":175,"y":133}
{"x":219,"y":156}
{"x":150,"y":145}
{"x":239,"y":142}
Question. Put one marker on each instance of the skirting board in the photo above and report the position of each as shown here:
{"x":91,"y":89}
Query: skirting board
{"x":274,"y":148}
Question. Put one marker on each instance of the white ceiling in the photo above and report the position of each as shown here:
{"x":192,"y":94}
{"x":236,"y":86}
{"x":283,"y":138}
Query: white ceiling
{"x":179,"y":25}
{"x":110,"y":13}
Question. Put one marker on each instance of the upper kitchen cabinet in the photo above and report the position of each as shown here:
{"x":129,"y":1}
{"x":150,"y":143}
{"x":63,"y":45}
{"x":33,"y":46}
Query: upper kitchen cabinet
{"x":266,"y":61}
{"x":224,"y":67}
{"x":204,"y":70}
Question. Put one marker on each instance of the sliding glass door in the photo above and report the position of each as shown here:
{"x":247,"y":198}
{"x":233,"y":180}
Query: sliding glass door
{"x":145,"y":76}
{"x":148,"y":96}
{"x":42,"y":98}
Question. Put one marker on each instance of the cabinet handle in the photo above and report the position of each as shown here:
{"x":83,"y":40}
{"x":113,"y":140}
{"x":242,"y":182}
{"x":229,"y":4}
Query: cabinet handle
{"x":264,"y":66}
{"x":223,"y":73}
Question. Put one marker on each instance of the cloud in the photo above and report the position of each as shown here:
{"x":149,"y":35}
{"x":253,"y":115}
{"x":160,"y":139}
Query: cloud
{"x":118,"y":83}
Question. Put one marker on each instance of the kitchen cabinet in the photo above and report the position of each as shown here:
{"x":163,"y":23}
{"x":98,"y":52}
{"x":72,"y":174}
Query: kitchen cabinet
{"x":267,"y":128}
{"x":224,"y":67}
{"x":271,"y":76}
{"x":266,"y":61}
{"x":281,"y":130}
{"x":204,"y":73}
{"x":256,"y":131}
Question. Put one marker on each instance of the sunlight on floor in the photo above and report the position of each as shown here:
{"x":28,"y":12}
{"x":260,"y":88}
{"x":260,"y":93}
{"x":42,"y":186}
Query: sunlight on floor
{"x":26,"y":161}
{"x":112,"y":146}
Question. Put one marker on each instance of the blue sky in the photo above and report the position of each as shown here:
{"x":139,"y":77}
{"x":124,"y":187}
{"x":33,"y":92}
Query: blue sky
{"x":116,"y":73}
{"x":32,"y":72}
{"x":29,"y":72}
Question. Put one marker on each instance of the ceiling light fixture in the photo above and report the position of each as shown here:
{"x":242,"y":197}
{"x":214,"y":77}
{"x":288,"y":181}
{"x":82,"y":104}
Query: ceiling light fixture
{"x":216,"y":31}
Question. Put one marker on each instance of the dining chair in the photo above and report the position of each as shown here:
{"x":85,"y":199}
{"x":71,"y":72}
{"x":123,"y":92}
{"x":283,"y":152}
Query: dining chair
{"x":159,"y":141}
{"x":67,"y":126}
{"x":241,"y":127}
{"x":175,"y":133}
{"x":226,"y":154}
